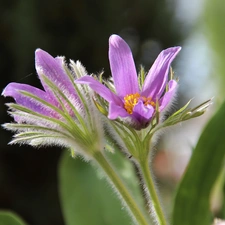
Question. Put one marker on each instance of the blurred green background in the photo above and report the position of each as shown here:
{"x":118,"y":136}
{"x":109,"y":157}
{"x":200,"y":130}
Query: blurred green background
{"x":80,"y":29}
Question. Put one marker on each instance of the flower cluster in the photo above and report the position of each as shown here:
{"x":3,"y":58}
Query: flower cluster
{"x":65,"y":114}
{"x":71,"y":112}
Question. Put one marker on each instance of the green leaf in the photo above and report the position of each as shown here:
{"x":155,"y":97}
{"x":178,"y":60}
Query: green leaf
{"x":185,"y":114}
{"x":10,"y":218}
{"x":213,"y":22}
{"x":87,"y":198}
{"x":192,"y":199}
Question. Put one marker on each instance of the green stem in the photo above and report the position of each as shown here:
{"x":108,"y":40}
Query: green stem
{"x":121,"y":188}
{"x":152,"y":192}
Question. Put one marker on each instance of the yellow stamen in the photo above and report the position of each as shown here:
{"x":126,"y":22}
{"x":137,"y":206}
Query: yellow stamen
{"x":131,"y":100}
{"x":148,"y":101}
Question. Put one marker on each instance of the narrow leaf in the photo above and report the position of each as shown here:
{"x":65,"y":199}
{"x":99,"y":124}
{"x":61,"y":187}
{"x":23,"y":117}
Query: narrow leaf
{"x":10,"y":218}
{"x":192,"y":199}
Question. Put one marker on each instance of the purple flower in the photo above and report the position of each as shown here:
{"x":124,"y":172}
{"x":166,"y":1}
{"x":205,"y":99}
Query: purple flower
{"x":130,"y":100}
{"x":48,"y":68}
{"x":61,"y":114}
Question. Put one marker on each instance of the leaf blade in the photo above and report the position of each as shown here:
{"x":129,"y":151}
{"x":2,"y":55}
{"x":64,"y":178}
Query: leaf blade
{"x":10,"y":218}
{"x":82,"y":193}
{"x":192,"y":199}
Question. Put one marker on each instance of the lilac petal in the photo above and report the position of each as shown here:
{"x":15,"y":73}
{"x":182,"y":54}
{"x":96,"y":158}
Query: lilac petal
{"x":13,"y":90}
{"x":122,"y":67}
{"x":142,"y":111}
{"x":53,"y":69}
{"x":157,"y":77}
{"x":102,"y":90}
{"x":168,"y":97}
{"x":116,"y":111}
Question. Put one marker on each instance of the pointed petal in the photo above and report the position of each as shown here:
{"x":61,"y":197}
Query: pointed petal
{"x":157,"y":77}
{"x":53,"y":69}
{"x":116,"y":111}
{"x":14,"y":90}
{"x":142,"y":111}
{"x":168,"y":97}
{"x":122,"y":67}
{"x":102,"y":90}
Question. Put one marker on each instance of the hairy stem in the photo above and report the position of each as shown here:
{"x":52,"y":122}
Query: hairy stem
{"x":121,"y":188}
{"x":148,"y":180}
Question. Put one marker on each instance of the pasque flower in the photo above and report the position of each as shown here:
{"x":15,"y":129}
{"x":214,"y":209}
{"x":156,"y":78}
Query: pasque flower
{"x":57,"y":115}
{"x":64,"y":114}
{"x":130,"y":99}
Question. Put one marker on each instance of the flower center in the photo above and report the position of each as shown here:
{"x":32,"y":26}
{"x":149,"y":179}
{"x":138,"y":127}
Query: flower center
{"x":131,"y":100}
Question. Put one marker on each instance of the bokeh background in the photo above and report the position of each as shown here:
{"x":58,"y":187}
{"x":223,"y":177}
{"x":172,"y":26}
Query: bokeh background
{"x":80,"y":29}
